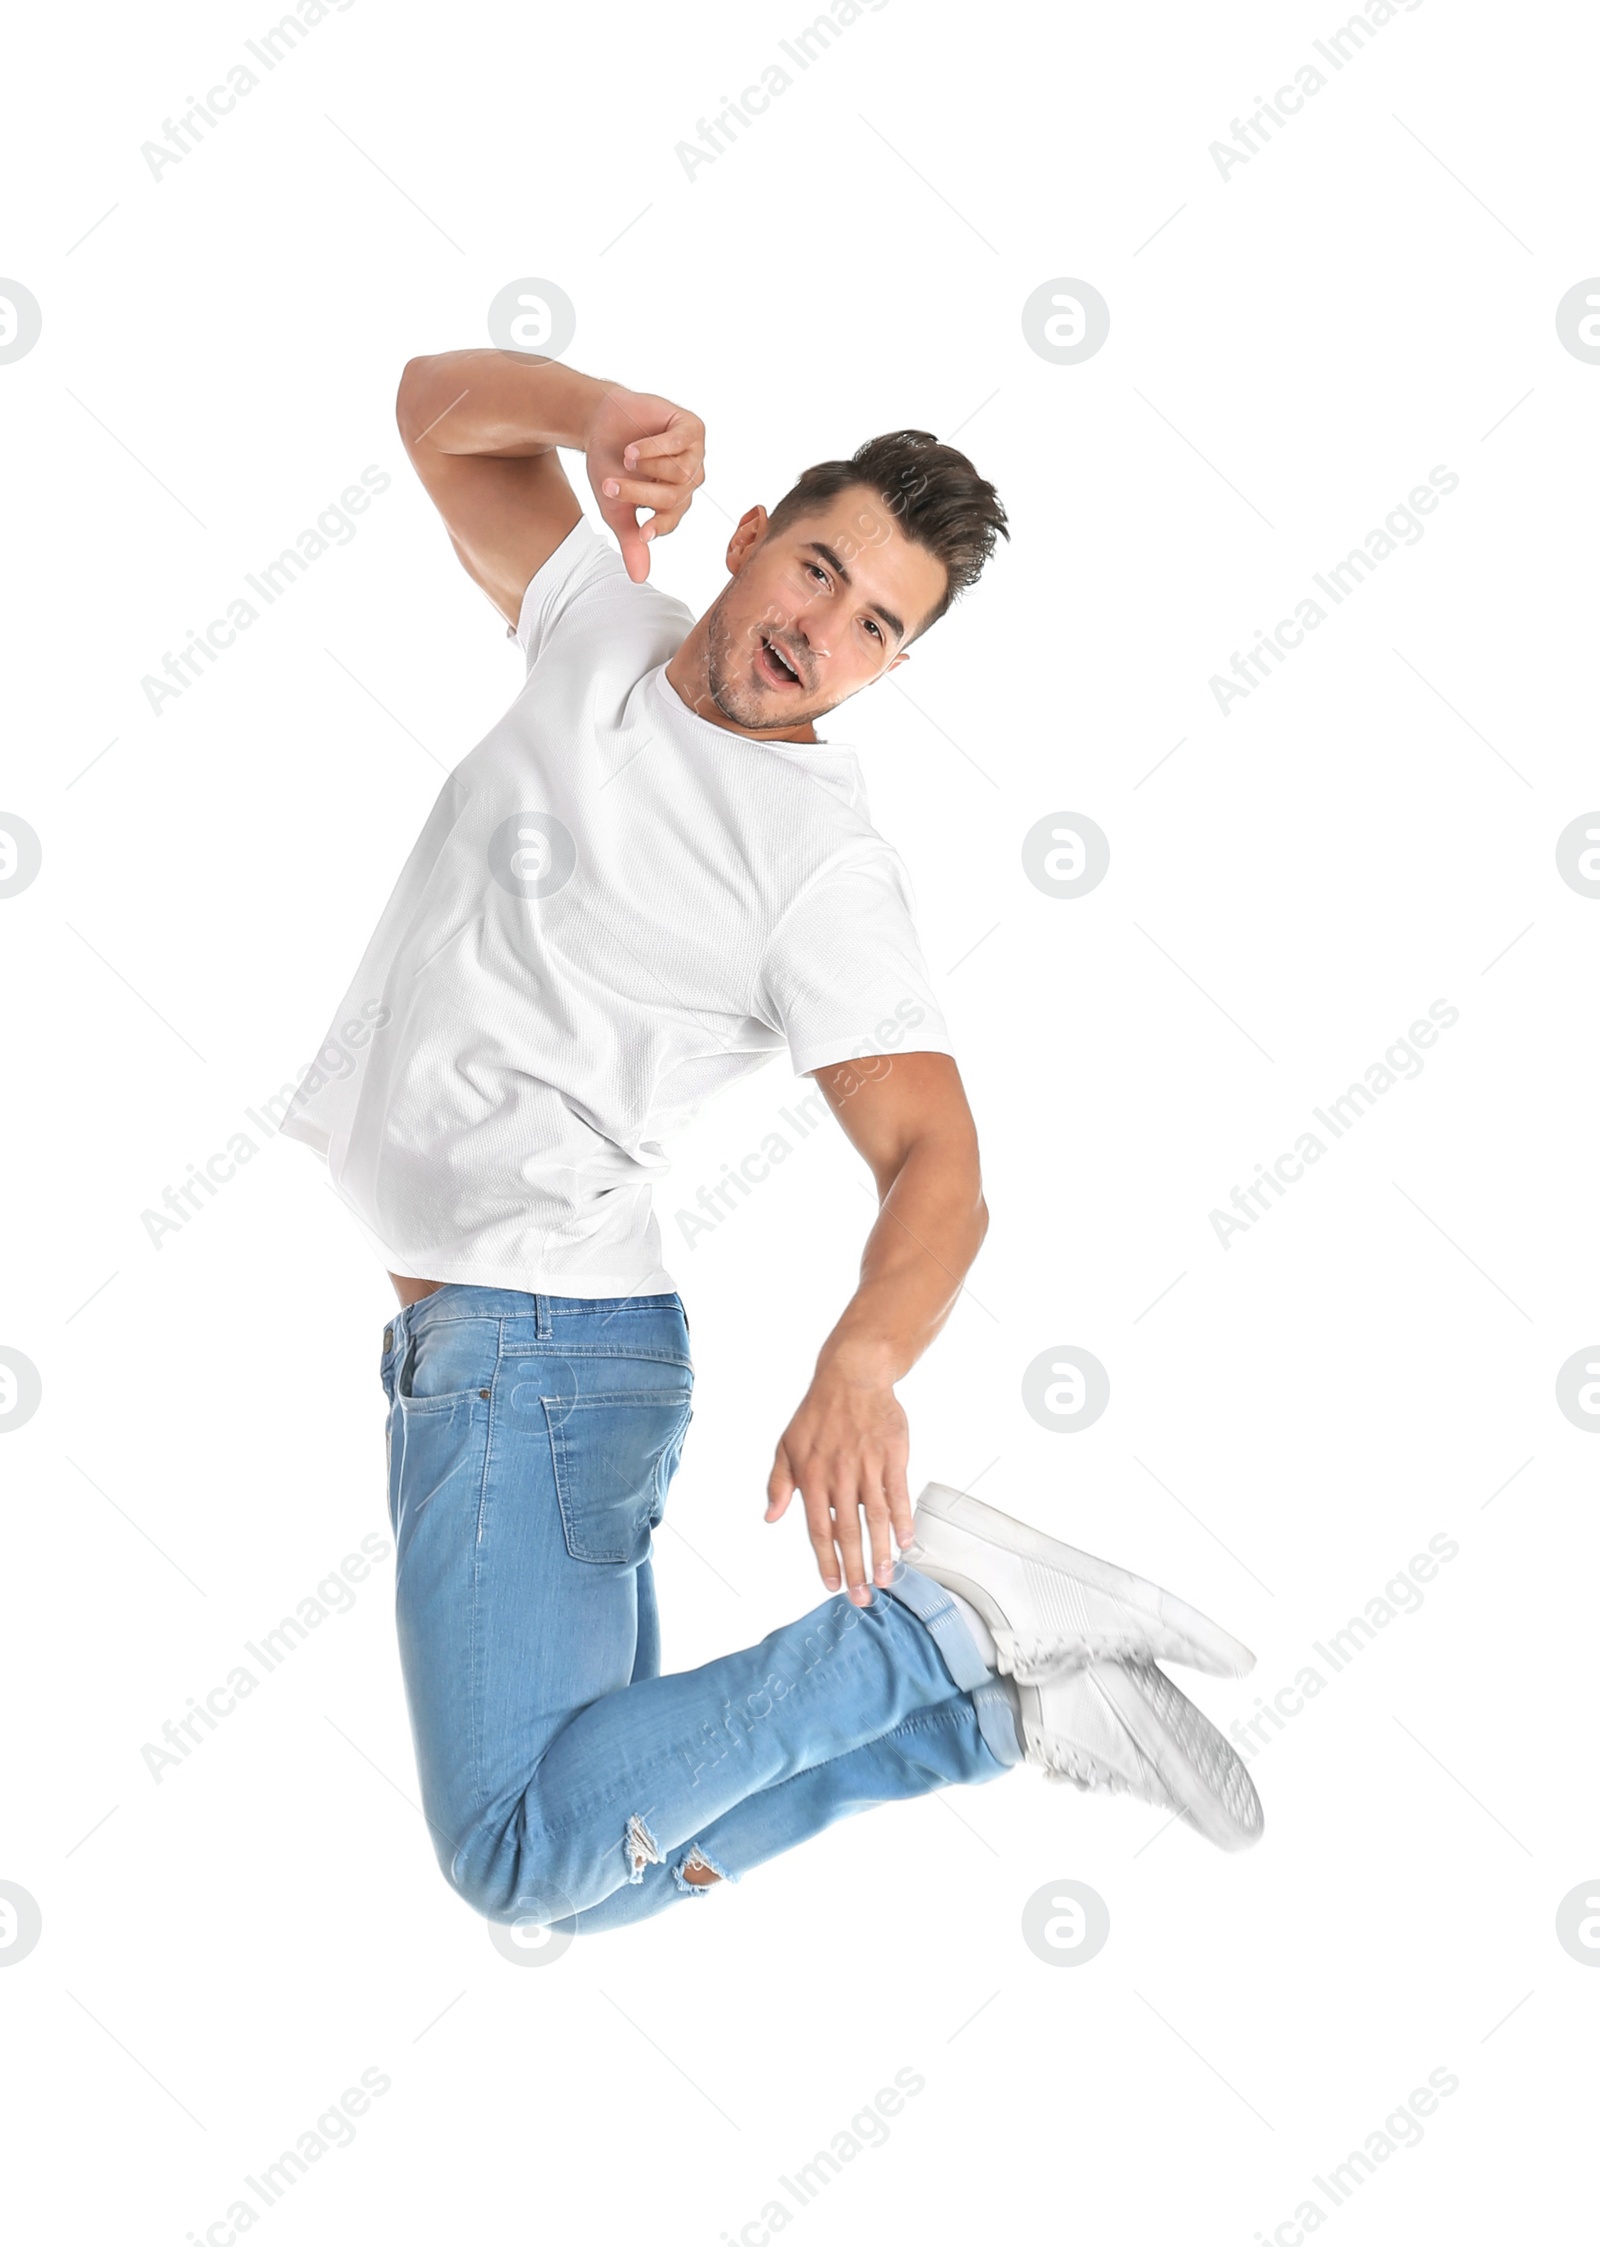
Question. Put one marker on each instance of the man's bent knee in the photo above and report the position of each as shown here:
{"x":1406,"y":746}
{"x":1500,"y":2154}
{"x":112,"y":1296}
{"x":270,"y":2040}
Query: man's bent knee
{"x":509,"y":1882}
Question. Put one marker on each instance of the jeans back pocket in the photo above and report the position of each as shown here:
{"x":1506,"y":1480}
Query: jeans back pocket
{"x":614,"y":1453}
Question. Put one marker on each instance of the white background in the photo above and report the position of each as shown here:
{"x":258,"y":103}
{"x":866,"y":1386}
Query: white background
{"x":1371,"y":1365}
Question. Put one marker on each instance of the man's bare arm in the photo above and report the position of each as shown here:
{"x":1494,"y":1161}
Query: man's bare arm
{"x":482,"y":428}
{"x":846,"y":1448}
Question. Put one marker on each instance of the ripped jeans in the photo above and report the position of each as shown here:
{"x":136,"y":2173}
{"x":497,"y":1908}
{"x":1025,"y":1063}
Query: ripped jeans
{"x":565,"y":1781}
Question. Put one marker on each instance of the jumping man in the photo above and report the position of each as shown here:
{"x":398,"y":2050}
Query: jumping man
{"x":648,"y":878}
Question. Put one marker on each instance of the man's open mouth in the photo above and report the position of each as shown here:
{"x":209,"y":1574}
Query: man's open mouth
{"x":775,"y":666}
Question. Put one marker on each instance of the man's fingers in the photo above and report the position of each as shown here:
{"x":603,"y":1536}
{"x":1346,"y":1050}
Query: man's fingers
{"x":624,"y":526}
{"x":665,"y":484}
{"x":819,"y":1528}
{"x":878,"y":1525}
{"x":781,"y":1486}
{"x":637,"y":491}
{"x":666,"y":519}
{"x":635,"y":547}
{"x":847,"y":1536}
{"x":685,"y":434}
{"x":678,"y":467}
{"x":845,"y":1553}
{"x":898,"y":1494}
{"x":683,"y":474}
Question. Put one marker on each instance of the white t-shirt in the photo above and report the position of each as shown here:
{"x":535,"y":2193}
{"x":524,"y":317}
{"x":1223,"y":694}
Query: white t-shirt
{"x":615,"y":909}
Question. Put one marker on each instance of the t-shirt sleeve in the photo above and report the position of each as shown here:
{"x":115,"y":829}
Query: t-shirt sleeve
{"x":844,"y":975}
{"x":583,"y":587}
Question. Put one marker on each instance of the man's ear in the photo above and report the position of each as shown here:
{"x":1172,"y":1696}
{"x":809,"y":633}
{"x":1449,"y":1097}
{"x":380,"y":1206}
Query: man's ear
{"x":747,"y":536}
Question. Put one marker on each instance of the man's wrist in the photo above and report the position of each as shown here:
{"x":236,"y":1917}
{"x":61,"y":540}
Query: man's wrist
{"x":568,"y":403}
{"x":862,"y":1358}
{"x":592,"y":395}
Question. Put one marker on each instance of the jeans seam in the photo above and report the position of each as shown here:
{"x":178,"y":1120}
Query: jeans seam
{"x":454,"y":1316}
{"x":598,"y":1350}
{"x":474,"y":1668}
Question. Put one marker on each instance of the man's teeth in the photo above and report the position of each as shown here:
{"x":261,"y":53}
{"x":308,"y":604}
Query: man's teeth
{"x":787,"y":669}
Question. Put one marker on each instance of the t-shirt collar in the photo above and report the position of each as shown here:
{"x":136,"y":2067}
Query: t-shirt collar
{"x":800,"y":750}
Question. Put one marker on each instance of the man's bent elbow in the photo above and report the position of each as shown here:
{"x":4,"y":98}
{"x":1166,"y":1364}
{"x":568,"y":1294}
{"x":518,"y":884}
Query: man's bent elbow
{"x":413,"y":380}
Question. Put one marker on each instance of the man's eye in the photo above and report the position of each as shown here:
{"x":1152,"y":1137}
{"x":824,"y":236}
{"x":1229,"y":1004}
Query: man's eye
{"x":872,"y":627}
{"x":817,"y":570}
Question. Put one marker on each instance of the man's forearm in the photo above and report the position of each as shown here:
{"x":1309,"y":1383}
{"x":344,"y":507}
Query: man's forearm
{"x":930,"y":1226}
{"x":496,"y":404}
{"x":482,"y":428}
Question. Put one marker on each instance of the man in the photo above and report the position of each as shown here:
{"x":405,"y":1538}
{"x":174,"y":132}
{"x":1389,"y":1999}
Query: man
{"x":649,"y":877}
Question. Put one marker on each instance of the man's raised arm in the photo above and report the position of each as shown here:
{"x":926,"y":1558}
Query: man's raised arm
{"x":482,"y":428}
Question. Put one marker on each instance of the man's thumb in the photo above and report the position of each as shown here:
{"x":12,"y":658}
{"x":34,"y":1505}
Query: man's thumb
{"x":635,"y":547}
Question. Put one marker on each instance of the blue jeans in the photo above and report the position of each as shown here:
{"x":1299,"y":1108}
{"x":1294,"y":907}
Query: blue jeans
{"x":531,"y":1439}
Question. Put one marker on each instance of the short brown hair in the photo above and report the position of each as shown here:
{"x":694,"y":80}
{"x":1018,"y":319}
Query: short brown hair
{"x":934,"y":492}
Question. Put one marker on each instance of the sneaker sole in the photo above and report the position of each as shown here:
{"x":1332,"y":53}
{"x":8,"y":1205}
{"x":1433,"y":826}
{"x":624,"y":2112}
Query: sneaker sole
{"x":1208,"y":1783}
{"x":1209,"y":1647}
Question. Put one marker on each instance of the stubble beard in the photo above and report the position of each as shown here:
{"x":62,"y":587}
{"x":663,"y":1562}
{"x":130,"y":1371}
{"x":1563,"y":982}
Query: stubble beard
{"x":727,"y":691}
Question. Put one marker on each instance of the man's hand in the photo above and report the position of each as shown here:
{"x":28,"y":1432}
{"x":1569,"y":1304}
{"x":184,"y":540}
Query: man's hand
{"x":846,"y":1448}
{"x":482,"y":429}
{"x":643,"y":451}
{"x":845,"y":1451}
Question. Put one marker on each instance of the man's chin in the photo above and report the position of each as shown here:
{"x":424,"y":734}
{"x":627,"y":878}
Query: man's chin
{"x":754,"y":711}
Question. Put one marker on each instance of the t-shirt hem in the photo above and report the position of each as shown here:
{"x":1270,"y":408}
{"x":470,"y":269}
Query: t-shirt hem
{"x":585,"y":1286}
{"x":829,"y":1052}
{"x":299,"y":1127}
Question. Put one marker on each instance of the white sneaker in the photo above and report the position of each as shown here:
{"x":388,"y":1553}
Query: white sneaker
{"x":1124,"y":1726}
{"x":1050,"y":1608}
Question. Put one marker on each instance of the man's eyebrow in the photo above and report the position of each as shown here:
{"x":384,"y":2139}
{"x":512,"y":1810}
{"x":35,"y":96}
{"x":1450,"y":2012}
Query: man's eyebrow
{"x":816,"y":546}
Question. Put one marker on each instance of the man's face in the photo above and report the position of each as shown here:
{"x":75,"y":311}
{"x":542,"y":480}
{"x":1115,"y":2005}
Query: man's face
{"x":816,"y":611}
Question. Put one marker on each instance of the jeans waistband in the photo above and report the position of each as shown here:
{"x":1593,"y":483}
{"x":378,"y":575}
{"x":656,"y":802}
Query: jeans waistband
{"x":458,"y":1300}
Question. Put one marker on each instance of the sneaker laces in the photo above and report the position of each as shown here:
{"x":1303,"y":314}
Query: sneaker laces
{"x":1032,"y":1660}
{"x":1065,"y":1764}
